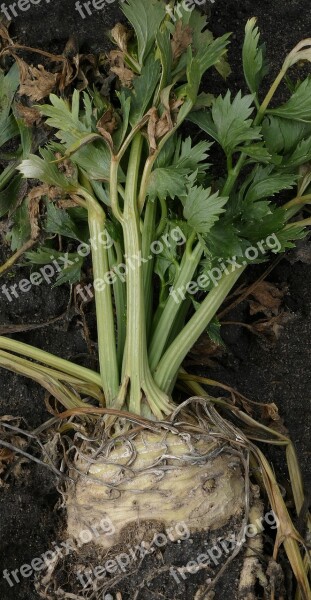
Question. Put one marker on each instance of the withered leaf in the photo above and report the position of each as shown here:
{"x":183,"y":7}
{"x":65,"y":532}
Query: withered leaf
{"x":65,"y":165}
{"x":271,"y":411}
{"x":164,"y":125}
{"x":267,"y":299}
{"x":271,"y":328}
{"x":82,"y":80}
{"x":157,"y":127}
{"x":121,"y":36}
{"x":28,"y":114}
{"x":70,"y":203}
{"x":6,"y":454}
{"x":117,"y":66}
{"x":182,"y":38}
{"x":39,"y":191}
{"x":204,"y":352}
{"x":270,"y":414}
{"x":71,"y":49}
{"x":151,"y":129}
{"x":4,"y":34}
{"x":36,"y":82}
{"x":107,"y":124}
{"x":10,"y":419}
{"x":34,"y":210}
{"x":68,"y":75}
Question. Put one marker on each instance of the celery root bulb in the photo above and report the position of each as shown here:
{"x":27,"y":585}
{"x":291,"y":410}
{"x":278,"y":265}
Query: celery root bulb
{"x":157,"y":478}
{"x":180,"y":483}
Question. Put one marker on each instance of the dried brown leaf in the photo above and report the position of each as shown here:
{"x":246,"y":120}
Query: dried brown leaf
{"x":10,"y":419}
{"x":157,"y":127}
{"x":267,"y":298}
{"x":38,"y":192}
{"x":34,"y":213}
{"x":107,"y":124}
{"x":7,"y":456}
{"x":36,"y":82}
{"x":71,"y":50}
{"x":82,"y":80}
{"x":271,"y":411}
{"x":4,"y":34}
{"x":28,"y":114}
{"x":182,"y":38}
{"x":120,"y":34}
{"x":164,"y":125}
{"x":117,"y":66}
{"x":70,"y":203}
{"x":204,"y":352}
{"x":271,"y":328}
{"x":151,"y":129}
{"x":65,"y":165}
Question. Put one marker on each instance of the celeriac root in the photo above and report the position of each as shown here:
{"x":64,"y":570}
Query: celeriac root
{"x":163,"y":477}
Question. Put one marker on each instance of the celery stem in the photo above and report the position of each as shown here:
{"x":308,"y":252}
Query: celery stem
{"x":170,"y":363}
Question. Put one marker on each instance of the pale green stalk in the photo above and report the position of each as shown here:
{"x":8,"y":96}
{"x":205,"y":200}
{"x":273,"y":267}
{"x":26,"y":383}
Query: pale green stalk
{"x":170,"y":363}
{"x":104,"y":310}
{"x":41,"y":356}
{"x":189,"y":265}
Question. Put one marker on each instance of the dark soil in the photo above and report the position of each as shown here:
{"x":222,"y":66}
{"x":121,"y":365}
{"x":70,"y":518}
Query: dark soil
{"x":277,"y":373}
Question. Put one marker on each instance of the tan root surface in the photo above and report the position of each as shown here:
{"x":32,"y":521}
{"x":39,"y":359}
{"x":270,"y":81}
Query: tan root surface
{"x":132,"y":481}
{"x":159,"y":477}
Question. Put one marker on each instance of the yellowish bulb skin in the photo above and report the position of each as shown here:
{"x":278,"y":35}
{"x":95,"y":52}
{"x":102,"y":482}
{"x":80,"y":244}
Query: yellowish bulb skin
{"x":160,"y":478}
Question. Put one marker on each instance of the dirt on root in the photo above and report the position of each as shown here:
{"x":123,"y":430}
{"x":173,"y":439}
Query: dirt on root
{"x":278,"y":373}
{"x":165,"y":572}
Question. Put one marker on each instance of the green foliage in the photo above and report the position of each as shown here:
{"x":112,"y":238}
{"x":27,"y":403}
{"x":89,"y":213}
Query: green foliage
{"x":61,"y":222}
{"x":128,"y":153}
{"x":8,"y":86}
{"x":10,"y":195}
{"x":10,"y":128}
{"x":213,"y":332}
{"x":229,"y":123}
{"x":69,"y":264}
{"x":264,"y":182}
{"x":202,"y":208}
{"x":297,"y":108}
{"x":46,"y":170}
{"x":79,"y":136}
{"x":167,"y":183}
{"x":172,"y":181}
{"x":21,"y":229}
{"x":288,"y":141}
{"x":145,"y":20}
{"x":143,"y":89}
{"x":181,"y":178}
{"x":254,"y":63}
